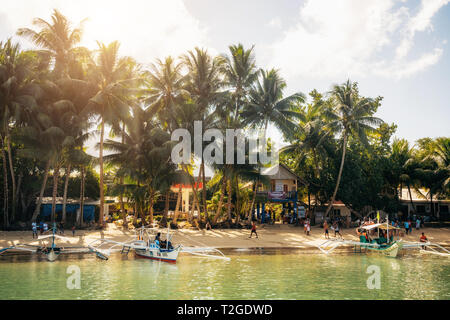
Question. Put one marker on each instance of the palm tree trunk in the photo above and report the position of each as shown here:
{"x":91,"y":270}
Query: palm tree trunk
{"x":237,"y":207}
{"x":205,"y":208}
{"x":230,"y":219}
{"x":102,"y":192}
{"x":151,"y":206}
{"x":41,"y":194}
{"x":80,"y":220}
{"x":410,"y":199}
{"x":344,"y":149}
{"x":250,"y":212}
{"x":220,"y":205}
{"x":5,"y":189}
{"x":13,"y":179}
{"x":55,"y":190}
{"x":194,"y":190}
{"x":166,"y":210}
{"x":122,"y":206}
{"x":66,"y":185}
{"x":177,"y":207}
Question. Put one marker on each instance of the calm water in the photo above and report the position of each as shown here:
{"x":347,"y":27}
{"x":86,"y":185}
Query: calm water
{"x":266,"y":274}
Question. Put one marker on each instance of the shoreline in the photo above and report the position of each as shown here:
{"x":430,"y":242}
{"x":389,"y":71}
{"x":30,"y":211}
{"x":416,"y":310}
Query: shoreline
{"x":276,"y":236}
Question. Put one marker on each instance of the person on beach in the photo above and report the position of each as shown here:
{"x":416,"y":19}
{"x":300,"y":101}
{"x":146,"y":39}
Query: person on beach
{"x":410,"y":226}
{"x":73,"y":231}
{"x":253,"y":230}
{"x":34,"y":229}
{"x":325,"y":229}
{"x":336,"y":229}
{"x":417,"y":223}
{"x":45,"y":227}
{"x":406,"y":224}
{"x":308,"y":227}
{"x":41,"y":227}
{"x":61,"y":228}
{"x":423,"y":238}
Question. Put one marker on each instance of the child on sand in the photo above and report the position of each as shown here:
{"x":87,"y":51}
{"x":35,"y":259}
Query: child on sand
{"x":253,"y":230}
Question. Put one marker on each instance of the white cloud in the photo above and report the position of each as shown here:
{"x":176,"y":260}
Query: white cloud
{"x":146,"y":28}
{"x":354,"y":38}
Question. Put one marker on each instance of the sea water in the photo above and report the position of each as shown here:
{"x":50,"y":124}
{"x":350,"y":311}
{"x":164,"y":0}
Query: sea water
{"x":256,"y":274}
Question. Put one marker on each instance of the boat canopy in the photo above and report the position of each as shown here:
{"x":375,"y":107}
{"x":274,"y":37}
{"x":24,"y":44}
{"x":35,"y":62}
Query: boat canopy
{"x":383,"y":226}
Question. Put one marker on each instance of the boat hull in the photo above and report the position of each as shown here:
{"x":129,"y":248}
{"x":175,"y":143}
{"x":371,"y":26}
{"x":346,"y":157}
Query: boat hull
{"x":391,"y":251}
{"x":156,"y":254}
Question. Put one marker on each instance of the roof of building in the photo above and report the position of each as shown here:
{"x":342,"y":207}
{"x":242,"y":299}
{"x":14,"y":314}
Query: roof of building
{"x":274,"y":172}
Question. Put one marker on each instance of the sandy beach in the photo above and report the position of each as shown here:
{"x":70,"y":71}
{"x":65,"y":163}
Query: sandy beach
{"x":270,"y":236}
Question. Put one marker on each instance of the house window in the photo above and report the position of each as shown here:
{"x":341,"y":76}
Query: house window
{"x":337,"y":212}
{"x":272,"y":185}
{"x":285,"y":188}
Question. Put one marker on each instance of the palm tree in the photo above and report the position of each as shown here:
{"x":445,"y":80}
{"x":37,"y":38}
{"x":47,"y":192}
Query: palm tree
{"x":204,"y":84}
{"x":114,"y":79}
{"x":351,"y":115}
{"x":17,"y":98}
{"x":240,"y":74}
{"x":57,"y":39}
{"x":267,"y":104}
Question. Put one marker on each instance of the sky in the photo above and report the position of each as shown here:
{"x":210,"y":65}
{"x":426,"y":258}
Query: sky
{"x":397,"y":49}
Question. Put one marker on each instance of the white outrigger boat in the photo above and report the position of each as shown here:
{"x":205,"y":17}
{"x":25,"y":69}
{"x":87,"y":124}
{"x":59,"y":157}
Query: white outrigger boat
{"x":148,"y":243}
{"x":51,"y":250}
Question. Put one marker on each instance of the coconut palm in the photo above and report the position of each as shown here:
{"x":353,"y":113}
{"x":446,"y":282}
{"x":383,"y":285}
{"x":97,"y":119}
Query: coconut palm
{"x":267,"y":104}
{"x":57,"y":39}
{"x":351,"y":116}
{"x":17,"y":98}
{"x":240,"y":74}
{"x":204,"y":84}
{"x":114,"y":78}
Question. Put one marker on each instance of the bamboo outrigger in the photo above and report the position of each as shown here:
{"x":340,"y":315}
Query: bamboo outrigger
{"x":147,"y":243}
{"x":51,"y":250}
{"x":383,"y":245}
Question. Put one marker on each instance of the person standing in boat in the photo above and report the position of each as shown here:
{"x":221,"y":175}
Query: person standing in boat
{"x":253,"y":230}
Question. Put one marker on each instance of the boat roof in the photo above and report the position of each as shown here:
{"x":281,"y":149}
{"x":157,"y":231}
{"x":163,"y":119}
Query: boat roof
{"x":383,"y":226}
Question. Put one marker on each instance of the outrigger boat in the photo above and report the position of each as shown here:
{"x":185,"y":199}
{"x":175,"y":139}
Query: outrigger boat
{"x":386,"y":246}
{"x":149,"y":243}
{"x":51,"y":251}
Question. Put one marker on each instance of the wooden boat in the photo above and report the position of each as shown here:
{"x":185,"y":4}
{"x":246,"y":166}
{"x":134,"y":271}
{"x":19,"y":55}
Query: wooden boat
{"x":51,"y":250}
{"x":151,"y":243}
{"x":380,"y":245}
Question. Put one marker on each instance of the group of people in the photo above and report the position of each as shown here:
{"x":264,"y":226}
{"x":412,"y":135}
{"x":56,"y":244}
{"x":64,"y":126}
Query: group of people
{"x":43,"y":228}
{"x":335,"y":227}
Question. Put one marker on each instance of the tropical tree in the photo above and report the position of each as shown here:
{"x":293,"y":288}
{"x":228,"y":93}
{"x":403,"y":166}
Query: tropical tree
{"x":17,"y":99}
{"x":57,"y":40}
{"x":204,"y":83}
{"x":268,"y":104}
{"x":115,"y":79}
{"x":351,"y":116}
